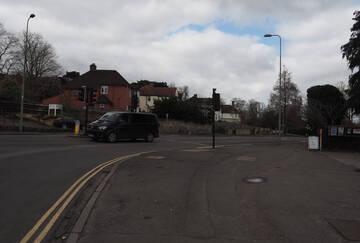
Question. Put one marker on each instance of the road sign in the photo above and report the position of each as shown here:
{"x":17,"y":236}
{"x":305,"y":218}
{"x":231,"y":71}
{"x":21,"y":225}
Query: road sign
{"x":313,"y":143}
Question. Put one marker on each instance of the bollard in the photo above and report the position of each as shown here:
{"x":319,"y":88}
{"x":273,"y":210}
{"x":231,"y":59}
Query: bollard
{"x":77,"y":127}
{"x":321,"y":139}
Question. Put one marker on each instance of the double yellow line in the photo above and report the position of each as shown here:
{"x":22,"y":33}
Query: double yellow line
{"x":74,"y":189}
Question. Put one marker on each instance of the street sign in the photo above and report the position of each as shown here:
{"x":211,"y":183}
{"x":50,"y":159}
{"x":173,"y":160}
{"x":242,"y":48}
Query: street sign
{"x":356,"y":131}
{"x":333,"y":131}
{"x":341,"y":131}
{"x":313,"y":143}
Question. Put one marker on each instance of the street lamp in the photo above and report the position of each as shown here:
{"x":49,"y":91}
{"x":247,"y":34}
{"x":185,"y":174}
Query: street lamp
{"x":21,"y":128}
{"x":271,"y":35}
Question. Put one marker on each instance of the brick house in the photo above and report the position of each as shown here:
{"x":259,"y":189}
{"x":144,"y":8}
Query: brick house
{"x":149,"y":93}
{"x":112,"y":90}
{"x":229,"y":113}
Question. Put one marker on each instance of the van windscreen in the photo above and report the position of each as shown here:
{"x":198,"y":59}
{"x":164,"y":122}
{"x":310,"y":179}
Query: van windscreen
{"x":109,"y":117}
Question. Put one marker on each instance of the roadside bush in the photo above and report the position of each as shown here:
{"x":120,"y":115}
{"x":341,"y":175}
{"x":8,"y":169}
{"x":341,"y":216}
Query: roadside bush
{"x":180,"y":110}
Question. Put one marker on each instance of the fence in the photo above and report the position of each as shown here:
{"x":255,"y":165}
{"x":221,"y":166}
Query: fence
{"x":7,"y":108}
{"x":341,"y":137}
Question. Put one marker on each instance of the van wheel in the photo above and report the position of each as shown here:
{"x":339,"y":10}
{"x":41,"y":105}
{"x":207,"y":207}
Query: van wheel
{"x":149,"y":138}
{"x":112,"y":137}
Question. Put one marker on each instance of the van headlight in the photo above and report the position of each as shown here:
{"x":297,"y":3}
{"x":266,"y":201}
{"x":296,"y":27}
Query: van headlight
{"x":102,"y":127}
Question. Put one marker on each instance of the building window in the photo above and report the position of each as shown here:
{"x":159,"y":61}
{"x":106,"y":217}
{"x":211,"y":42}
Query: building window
{"x":102,"y":106}
{"x":104,"y":89}
{"x":76,"y":92}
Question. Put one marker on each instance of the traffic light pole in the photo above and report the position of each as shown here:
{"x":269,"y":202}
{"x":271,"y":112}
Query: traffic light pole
{"x":213,"y":119}
{"x":86,"y":107}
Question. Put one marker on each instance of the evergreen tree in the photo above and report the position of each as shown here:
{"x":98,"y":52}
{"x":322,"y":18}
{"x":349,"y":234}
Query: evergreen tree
{"x":351,"y":51}
{"x":9,"y":91}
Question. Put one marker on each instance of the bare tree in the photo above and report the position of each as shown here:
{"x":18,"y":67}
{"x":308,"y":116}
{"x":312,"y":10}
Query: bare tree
{"x":184,"y":90}
{"x":41,"y":61}
{"x":8,"y":45}
{"x":291,"y":101}
{"x":41,"y":57}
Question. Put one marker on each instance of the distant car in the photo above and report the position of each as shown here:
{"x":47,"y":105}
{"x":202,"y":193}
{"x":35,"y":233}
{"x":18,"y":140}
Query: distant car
{"x":64,"y":122}
{"x":113,"y":126}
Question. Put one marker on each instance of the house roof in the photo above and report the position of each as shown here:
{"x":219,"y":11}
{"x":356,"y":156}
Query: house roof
{"x":229,"y":109}
{"x":201,"y":101}
{"x":94,"y":78}
{"x":150,"y":90}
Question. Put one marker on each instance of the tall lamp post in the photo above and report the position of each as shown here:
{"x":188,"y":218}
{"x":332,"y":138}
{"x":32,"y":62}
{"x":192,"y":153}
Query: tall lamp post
{"x":280,"y":106}
{"x":21,"y":127}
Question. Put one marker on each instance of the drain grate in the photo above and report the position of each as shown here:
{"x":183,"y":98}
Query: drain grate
{"x":255,"y":180}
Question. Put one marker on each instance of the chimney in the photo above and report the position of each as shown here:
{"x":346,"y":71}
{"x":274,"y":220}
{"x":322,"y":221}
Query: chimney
{"x":93,"y":67}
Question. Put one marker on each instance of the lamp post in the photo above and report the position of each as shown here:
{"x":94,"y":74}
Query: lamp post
{"x":280,"y":106}
{"x":21,"y":128}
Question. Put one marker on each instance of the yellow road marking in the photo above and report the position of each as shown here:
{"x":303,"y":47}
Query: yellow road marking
{"x":246,"y":158}
{"x":57,"y":203}
{"x":155,"y":157}
{"x":196,"y":150}
{"x":210,"y":147}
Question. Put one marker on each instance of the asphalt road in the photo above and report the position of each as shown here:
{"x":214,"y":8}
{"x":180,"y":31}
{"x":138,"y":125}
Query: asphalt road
{"x":36,"y":169}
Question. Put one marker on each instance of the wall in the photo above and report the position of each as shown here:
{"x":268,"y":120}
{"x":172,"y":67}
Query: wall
{"x":120,"y":96}
{"x":179,"y":127}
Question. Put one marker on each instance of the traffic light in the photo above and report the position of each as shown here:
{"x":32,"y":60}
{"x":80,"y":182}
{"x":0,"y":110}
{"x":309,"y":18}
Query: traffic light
{"x":216,"y":101}
{"x":81,"y":95}
{"x":92,"y":96}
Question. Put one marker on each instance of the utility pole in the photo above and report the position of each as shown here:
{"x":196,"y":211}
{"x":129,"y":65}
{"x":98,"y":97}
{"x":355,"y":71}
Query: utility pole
{"x":215,"y":107}
{"x":86,"y":99}
{"x":213,"y":119}
{"x":280,"y":99}
{"x":21,"y":123}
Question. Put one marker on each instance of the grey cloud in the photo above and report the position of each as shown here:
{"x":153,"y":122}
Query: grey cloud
{"x":132,"y":37}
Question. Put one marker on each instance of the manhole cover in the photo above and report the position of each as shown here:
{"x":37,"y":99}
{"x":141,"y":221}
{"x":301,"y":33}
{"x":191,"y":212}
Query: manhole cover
{"x":254,"y":180}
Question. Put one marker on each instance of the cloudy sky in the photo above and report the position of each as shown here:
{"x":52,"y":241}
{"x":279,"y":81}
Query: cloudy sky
{"x":203,"y":44}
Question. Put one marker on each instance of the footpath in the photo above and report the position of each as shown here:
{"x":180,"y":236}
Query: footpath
{"x":202,"y":195}
{"x":347,"y":158}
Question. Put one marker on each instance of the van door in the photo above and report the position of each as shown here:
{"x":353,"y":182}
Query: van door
{"x":122,"y":126}
{"x":139,"y":125}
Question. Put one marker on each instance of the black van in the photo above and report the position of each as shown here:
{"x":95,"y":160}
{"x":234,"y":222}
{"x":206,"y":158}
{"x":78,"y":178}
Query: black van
{"x":113,"y":126}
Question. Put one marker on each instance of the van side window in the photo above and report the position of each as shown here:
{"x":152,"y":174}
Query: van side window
{"x":123,"y":118}
{"x":141,"y":118}
{"x":137,"y":118}
{"x":150,"y":119}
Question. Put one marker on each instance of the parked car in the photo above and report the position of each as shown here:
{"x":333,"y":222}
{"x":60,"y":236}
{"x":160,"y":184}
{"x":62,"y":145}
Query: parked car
{"x":64,"y":122}
{"x":113,"y":126}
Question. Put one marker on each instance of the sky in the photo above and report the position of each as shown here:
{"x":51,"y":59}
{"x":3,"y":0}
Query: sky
{"x":203,"y":44}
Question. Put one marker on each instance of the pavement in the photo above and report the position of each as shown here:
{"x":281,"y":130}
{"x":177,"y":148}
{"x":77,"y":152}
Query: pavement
{"x":346,"y":158}
{"x":198,"y":194}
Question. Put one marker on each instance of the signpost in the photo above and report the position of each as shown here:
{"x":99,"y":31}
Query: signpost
{"x":313,"y":143}
{"x":215,"y":107}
